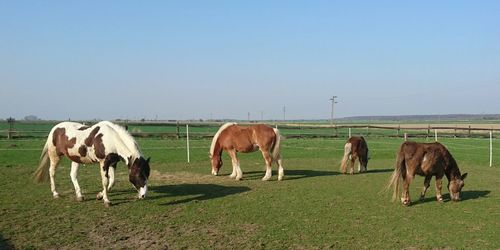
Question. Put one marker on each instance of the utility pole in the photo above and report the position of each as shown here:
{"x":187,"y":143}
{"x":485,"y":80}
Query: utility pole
{"x":248,"y":116}
{"x":333,"y":104}
{"x":261,"y":115}
{"x":284,"y":112}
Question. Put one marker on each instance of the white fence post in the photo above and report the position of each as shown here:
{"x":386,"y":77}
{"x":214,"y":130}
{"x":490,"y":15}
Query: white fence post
{"x":491,"y":148}
{"x":187,"y":141}
{"x":349,"y":132}
{"x":406,"y":137}
{"x":435,"y":134}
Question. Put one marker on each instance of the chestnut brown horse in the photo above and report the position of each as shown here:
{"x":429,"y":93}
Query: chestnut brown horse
{"x":355,"y":149}
{"x":426,"y":159}
{"x":245,"y":139}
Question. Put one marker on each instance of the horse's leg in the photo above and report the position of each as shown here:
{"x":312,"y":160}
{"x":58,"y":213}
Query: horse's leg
{"x":351,"y":165}
{"x":427,"y":183}
{"x":236,"y":164}
{"x":281,"y":171}
{"x":269,"y":161}
{"x":439,"y":180}
{"x":406,"y":190}
{"x":111,"y":174}
{"x":73,"y":174}
{"x":54,"y":161}
{"x":105,"y":183}
{"x":233,"y":174}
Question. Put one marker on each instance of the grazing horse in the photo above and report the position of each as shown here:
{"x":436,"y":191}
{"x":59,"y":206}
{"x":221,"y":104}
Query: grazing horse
{"x":426,"y":159}
{"x":104,"y":143}
{"x":234,"y":138}
{"x":355,"y":148}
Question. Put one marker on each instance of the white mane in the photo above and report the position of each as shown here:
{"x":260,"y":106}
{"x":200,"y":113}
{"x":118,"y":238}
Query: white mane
{"x":127,"y":140}
{"x":216,"y":136}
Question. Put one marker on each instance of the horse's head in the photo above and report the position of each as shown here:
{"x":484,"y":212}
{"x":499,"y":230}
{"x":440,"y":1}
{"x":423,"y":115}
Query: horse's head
{"x":455,"y":186}
{"x":139,"y":174}
{"x":216,"y":163}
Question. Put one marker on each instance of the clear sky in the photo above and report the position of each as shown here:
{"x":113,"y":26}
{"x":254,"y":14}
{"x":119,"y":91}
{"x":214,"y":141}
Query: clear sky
{"x":223,"y":59}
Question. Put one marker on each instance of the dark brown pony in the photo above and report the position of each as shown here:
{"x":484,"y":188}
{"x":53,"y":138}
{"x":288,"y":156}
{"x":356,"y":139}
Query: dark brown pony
{"x":234,"y":138}
{"x":426,"y":159}
{"x":355,"y":149}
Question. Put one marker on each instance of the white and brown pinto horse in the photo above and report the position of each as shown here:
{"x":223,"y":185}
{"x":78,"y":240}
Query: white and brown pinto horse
{"x":104,"y":143}
{"x":355,"y":149}
{"x":426,"y":159}
{"x":234,"y":138}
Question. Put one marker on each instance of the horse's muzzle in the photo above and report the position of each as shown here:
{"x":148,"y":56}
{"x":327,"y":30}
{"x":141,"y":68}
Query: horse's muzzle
{"x":142,"y":192}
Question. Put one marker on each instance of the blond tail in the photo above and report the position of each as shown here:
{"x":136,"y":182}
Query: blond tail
{"x":277,"y":145}
{"x":42,"y":172}
{"x":394,"y":181}
{"x":347,"y":153}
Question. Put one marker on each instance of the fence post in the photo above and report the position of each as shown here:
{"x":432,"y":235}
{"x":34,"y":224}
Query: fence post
{"x":406,"y":137}
{"x":491,"y":148}
{"x":428,"y":130}
{"x":177,"y":129}
{"x":11,"y":127}
{"x":187,"y":141}
{"x":399,"y":128}
{"x":349,"y":132}
{"x":435,"y":134}
{"x":469,"y":131}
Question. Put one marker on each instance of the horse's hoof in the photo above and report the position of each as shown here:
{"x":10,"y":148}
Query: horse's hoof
{"x":107,"y":204}
{"x":55,"y":196}
{"x":79,"y":198}
{"x":98,"y":196}
{"x":406,"y":203}
{"x":422,"y":198}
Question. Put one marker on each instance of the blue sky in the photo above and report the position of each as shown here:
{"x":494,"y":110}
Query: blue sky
{"x":223,"y":59}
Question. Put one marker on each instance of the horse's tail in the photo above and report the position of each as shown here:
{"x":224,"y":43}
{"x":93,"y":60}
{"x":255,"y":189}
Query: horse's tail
{"x":277,"y":145}
{"x":395,"y":179}
{"x":347,"y":153}
{"x":42,"y":172}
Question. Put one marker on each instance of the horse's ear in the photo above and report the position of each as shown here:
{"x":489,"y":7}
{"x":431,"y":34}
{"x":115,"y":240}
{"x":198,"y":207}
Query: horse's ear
{"x":149,"y":158}
{"x":463,"y":176}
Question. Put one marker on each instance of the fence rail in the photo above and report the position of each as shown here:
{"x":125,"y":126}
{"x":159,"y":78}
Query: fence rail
{"x":21,"y":129}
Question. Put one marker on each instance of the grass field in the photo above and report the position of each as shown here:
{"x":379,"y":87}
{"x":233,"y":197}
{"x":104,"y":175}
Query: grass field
{"x":314,"y":207}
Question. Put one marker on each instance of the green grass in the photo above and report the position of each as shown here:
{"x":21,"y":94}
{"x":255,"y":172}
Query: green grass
{"x":186,"y":207}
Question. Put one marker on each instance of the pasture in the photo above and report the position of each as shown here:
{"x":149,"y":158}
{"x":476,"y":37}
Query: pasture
{"x":186,"y":207}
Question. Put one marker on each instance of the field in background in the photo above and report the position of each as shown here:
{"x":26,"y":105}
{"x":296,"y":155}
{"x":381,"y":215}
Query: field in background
{"x":314,"y":207}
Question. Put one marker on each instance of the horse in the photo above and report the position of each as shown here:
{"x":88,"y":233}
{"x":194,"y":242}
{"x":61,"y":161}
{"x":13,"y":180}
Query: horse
{"x":234,"y":138}
{"x":105,"y":143}
{"x":426,"y":159}
{"x":355,"y":148}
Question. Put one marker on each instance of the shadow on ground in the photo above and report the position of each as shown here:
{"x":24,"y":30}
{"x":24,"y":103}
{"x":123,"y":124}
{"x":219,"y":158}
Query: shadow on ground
{"x":199,"y":191}
{"x":289,"y":174}
{"x":465,"y":196}
{"x":5,"y":244}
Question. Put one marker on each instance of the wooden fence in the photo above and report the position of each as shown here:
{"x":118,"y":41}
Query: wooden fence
{"x":177,"y":130}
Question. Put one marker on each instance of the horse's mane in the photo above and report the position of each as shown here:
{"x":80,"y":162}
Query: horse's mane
{"x":126,"y":138}
{"x":216,"y":136}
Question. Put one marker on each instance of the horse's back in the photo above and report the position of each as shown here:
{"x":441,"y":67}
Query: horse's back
{"x":425,"y":158}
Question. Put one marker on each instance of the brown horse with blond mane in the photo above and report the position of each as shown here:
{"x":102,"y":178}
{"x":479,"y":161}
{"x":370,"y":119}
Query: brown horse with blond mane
{"x":426,"y":159}
{"x":355,"y":149}
{"x":245,"y":139}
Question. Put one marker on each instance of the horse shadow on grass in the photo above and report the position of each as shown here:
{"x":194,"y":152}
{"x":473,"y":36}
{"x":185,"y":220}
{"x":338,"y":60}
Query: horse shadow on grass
{"x":376,"y":171}
{"x":291,"y":174}
{"x":5,"y":244}
{"x":196,"y":192}
{"x":464,"y":195}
